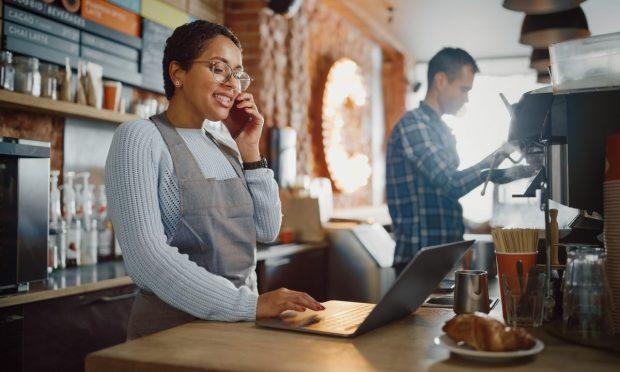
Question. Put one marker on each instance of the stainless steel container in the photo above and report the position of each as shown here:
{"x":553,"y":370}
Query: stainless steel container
{"x":557,"y":172}
{"x":24,"y":197}
{"x":471,"y":292}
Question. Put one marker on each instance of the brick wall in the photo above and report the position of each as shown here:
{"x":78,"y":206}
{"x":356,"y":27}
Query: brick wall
{"x":39,"y":127}
{"x":242,"y":17}
{"x":324,"y":41}
{"x":279,"y":88}
{"x":334,"y":38}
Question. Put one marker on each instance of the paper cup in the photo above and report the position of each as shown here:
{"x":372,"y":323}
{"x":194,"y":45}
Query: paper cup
{"x":612,"y":158}
{"x":111,"y":95}
{"x":507,"y":264}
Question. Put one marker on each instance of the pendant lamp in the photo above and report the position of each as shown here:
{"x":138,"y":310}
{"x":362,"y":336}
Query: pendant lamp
{"x":542,"y":30}
{"x":287,"y":8}
{"x":541,"y":6}
{"x":543,"y":78}
{"x":539,"y":60}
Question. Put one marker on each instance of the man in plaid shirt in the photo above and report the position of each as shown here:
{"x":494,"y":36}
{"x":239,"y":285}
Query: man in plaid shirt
{"x":423,"y":183}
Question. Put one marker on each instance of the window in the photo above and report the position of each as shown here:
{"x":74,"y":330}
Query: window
{"x":483,"y":124}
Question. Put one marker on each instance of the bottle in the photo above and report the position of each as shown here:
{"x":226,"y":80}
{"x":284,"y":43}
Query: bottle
{"x":54,"y":220}
{"x":49,"y":81}
{"x":7,"y":71}
{"x":88,"y":248}
{"x":89,"y":244}
{"x":118,"y":252}
{"x":27,"y":76}
{"x":74,"y":225}
{"x":52,"y":251}
{"x":84,"y":198}
{"x":58,"y":224}
{"x":105,"y":235}
{"x":79,"y":206}
{"x":61,"y":234}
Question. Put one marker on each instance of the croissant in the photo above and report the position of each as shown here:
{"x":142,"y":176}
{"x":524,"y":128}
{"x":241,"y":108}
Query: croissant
{"x":484,"y":333}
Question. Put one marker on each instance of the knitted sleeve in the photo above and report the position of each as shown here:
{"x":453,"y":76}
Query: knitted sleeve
{"x":131,"y":182}
{"x":267,"y":208}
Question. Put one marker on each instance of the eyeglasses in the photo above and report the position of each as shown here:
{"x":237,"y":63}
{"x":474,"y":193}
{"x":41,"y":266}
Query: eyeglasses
{"x":222,"y":73}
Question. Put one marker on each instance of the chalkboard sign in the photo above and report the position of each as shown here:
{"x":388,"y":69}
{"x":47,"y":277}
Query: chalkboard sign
{"x":153,"y":44}
{"x":41,"y":38}
{"x":153,"y":82}
{"x":40,"y":23}
{"x":61,"y":15}
{"x":109,"y":46}
{"x":50,"y":33}
{"x":103,"y":57}
{"x":21,"y":46}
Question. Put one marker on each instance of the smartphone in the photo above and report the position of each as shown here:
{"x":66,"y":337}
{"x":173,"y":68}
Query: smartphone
{"x":445,"y":286}
{"x":237,"y":120}
{"x":448,"y":302}
{"x":441,"y":301}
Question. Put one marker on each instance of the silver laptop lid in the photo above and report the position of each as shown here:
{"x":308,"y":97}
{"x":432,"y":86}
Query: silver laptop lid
{"x":415,"y":283}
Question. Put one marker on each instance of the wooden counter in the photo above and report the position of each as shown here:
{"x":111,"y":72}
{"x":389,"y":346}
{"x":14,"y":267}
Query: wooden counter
{"x":106,"y":275}
{"x":26,"y":102}
{"x":404,"y":345}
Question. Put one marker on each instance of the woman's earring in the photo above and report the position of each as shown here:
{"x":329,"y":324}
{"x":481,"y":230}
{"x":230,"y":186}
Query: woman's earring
{"x":177,"y":83}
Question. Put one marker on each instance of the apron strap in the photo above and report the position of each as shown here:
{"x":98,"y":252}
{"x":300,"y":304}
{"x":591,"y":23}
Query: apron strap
{"x":231,"y":154}
{"x":178,"y":150}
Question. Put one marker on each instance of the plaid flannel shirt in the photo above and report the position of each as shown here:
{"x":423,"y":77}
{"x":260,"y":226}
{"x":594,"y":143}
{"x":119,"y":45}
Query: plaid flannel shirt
{"x":423,"y":184}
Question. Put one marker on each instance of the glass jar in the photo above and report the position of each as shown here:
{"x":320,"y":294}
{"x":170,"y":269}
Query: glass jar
{"x":27,"y":76}
{"x":49,"y":81}
{"x":587,"y":301}
{"x":7,"y":71}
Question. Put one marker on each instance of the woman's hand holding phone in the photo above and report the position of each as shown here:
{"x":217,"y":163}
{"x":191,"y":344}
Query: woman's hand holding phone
{"x":245,"y":125}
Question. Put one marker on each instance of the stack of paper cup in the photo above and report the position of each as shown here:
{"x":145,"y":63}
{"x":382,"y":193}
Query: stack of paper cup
{"x":611,"y":202}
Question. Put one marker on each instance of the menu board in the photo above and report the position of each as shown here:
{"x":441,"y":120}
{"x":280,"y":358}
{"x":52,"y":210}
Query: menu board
{"x":40,"y":38}
{"x":153,"y":44}
{"x":109,"y":46}
{"x":40,"y":23}
{"x":111,"y":16}
{"x":61,"y":15}
{"x":50,"y":33}
{"x":131,"y":5}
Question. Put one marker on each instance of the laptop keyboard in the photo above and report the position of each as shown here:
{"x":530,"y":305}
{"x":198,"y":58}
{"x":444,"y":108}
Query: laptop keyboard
{"x":348,"y":318}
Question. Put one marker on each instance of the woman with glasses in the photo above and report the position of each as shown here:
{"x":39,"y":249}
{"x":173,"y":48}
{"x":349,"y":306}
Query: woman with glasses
{"x":189,"y":205}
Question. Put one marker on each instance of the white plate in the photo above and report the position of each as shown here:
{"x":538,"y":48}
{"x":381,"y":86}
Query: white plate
{"x":467,"y":352}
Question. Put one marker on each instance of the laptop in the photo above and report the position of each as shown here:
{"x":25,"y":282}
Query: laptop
{"x":412,"y":287}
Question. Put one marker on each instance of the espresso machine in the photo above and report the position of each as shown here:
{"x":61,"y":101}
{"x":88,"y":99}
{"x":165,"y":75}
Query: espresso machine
{"x":24,"y":184}
{"x":568,"y":131}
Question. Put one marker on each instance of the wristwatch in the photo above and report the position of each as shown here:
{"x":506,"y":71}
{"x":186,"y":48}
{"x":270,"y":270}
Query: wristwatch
{"x":262,"y":163}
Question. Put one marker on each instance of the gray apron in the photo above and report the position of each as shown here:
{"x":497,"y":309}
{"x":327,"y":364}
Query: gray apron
{"x":216,"y":230}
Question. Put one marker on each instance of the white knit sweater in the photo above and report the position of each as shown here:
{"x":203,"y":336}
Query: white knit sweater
{"x":144,"y":206}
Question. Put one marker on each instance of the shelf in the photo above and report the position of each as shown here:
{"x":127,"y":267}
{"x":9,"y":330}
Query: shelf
{"x":60,"y":108}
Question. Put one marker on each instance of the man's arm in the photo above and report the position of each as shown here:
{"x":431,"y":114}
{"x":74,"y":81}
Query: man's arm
{"x":432,"y":159}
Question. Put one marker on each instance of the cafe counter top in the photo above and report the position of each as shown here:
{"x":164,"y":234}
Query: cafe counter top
{"x":84,"y":279}
{"x":70,"y":282}
{"x":403,"y":345}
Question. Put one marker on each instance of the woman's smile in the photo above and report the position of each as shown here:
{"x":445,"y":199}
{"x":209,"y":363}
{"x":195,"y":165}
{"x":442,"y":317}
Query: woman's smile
{"x":224,"y":100}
